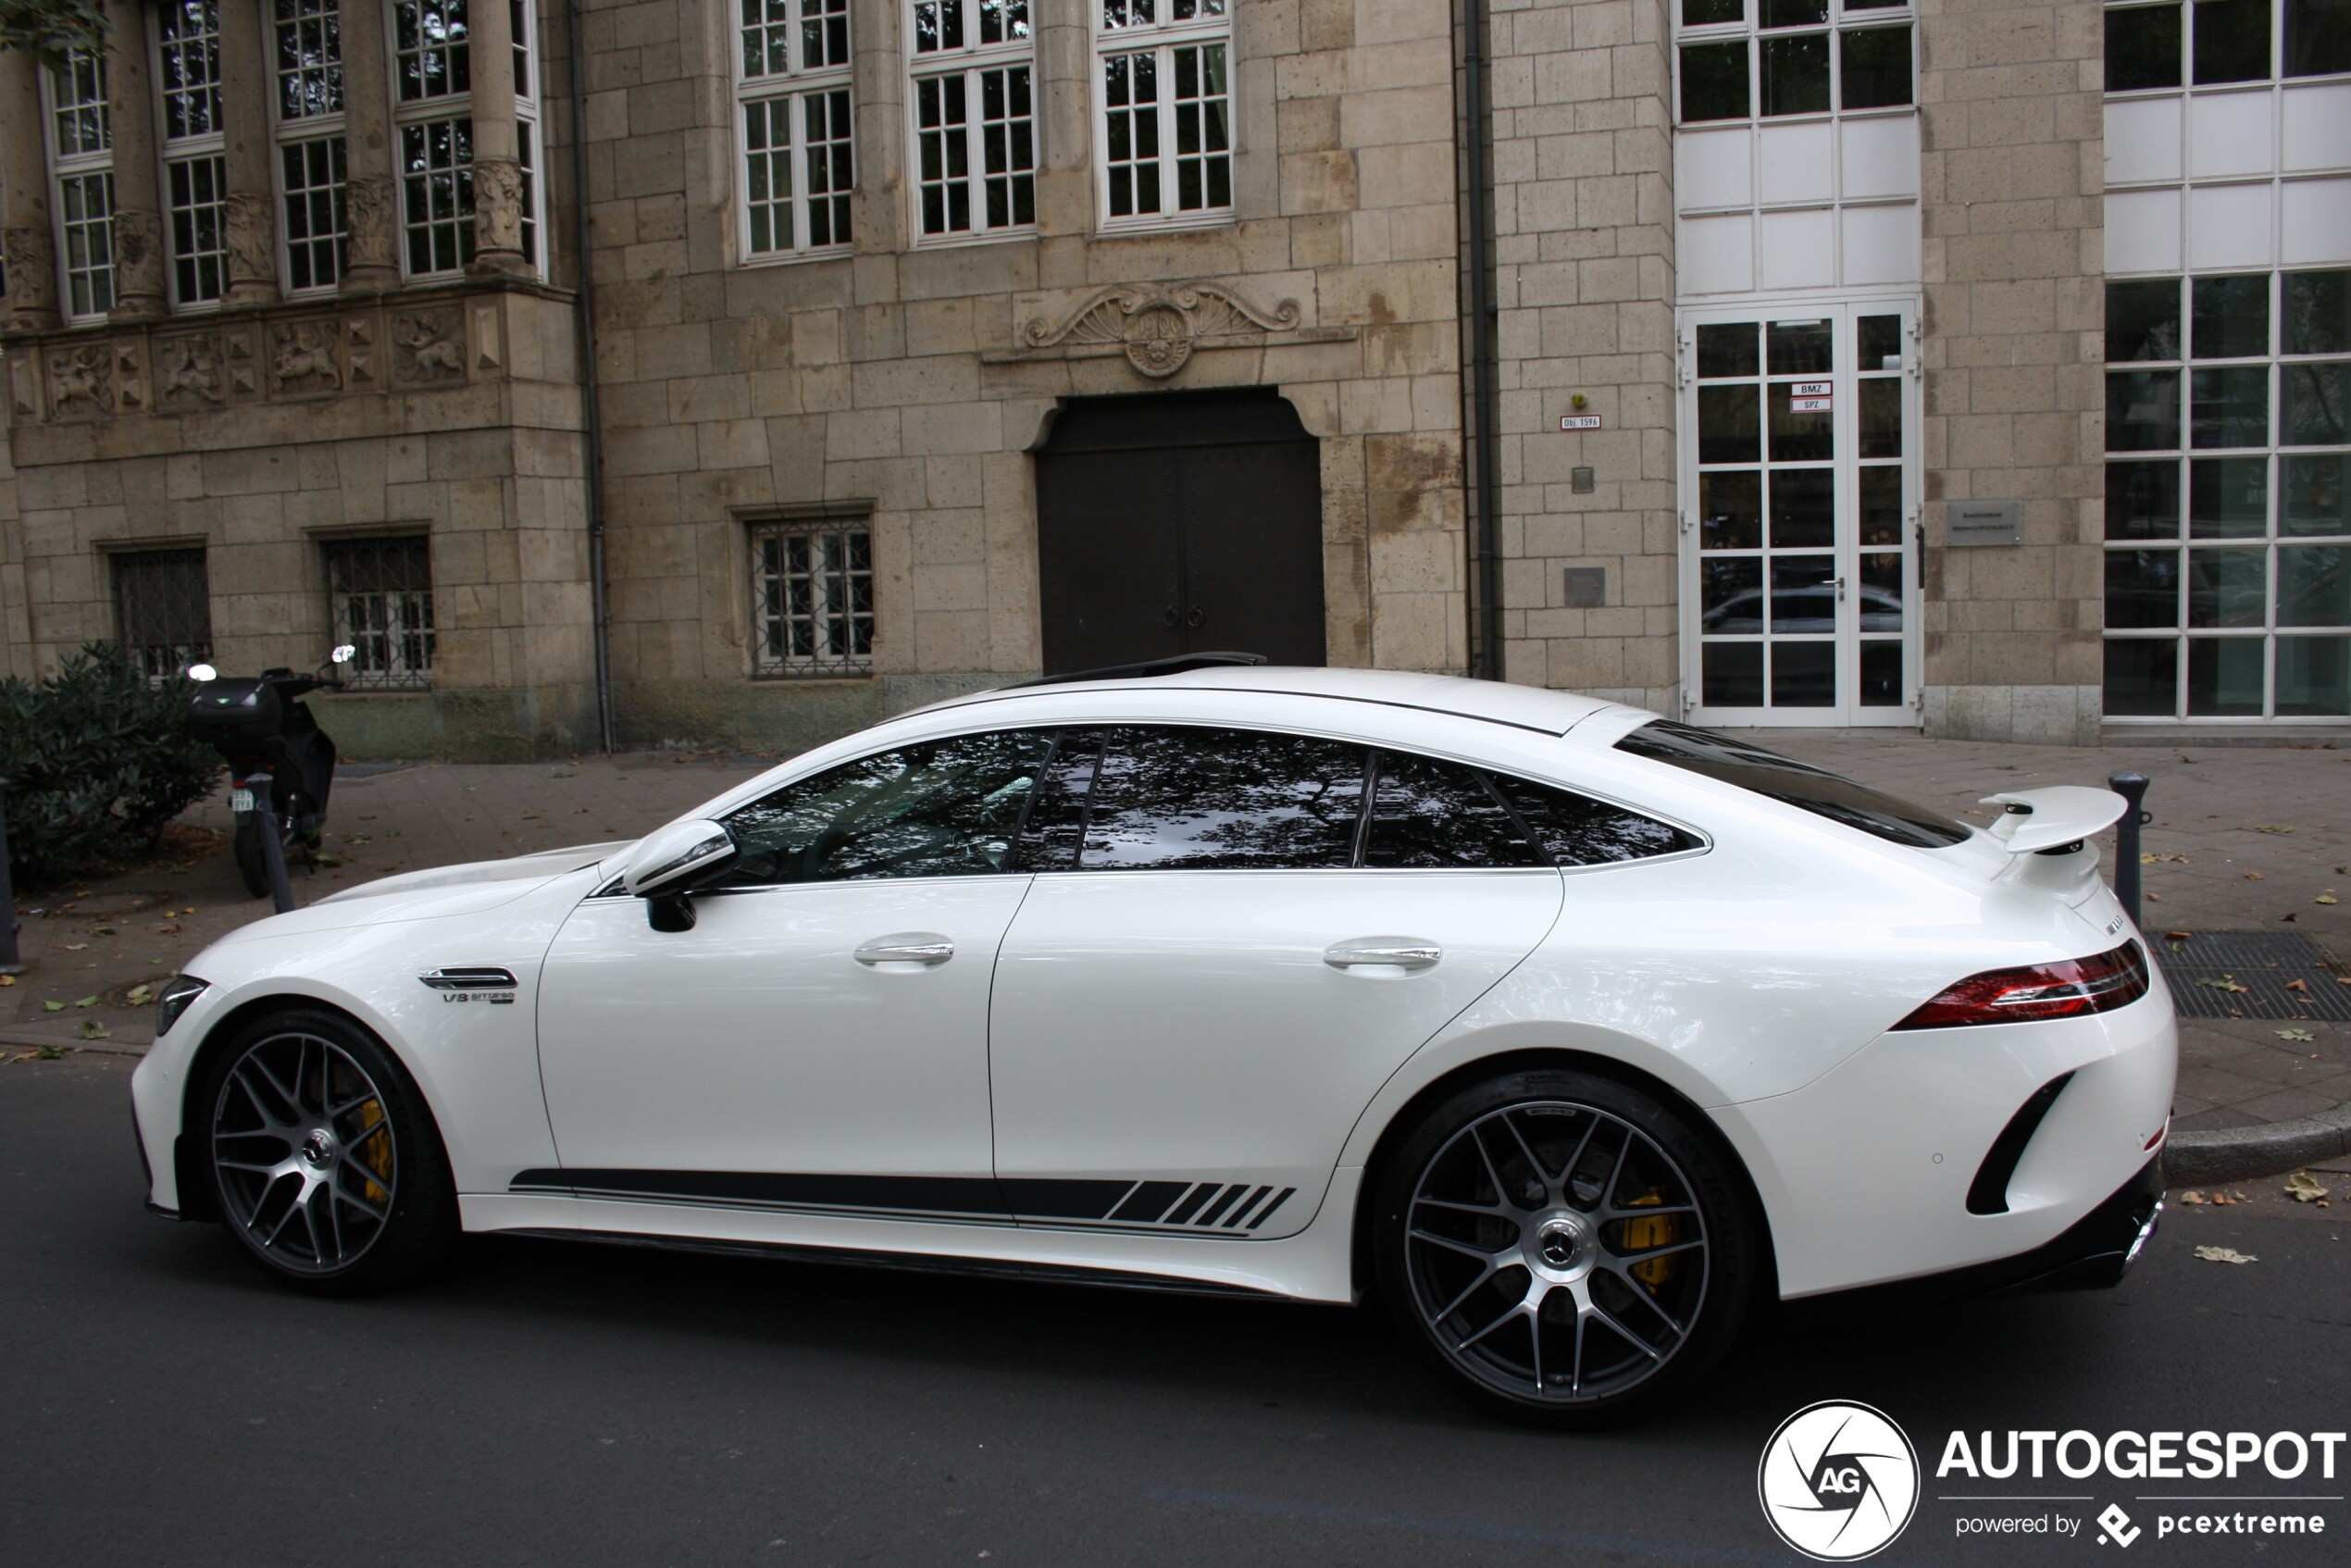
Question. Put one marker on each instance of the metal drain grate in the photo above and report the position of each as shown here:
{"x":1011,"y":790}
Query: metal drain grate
{"x":2207,"y":964}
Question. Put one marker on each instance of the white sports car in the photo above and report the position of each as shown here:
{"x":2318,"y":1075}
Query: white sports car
{"x":1562,"y":1029}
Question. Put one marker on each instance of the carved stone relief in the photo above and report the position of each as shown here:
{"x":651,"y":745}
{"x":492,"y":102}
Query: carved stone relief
{"x":188,"y":372}
{"x":498,"y":204}
{"x":302,"y":357}
{"x":131,"y":375}
{"x":429,"y":345}
{"x":368,"y":222}
{"x":251,"y":227}
{"x":1158,"y":326}
{"x":81,"y":380}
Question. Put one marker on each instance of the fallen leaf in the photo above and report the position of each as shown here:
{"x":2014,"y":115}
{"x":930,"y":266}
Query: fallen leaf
{"x":2155,"y":897}
{"x":2303,"y":1187}
{"x":75,"y":947}
{"x":87,"y":1002}
{"x":102,"y":930}
{"x":140,"y":995}
{"x":8,"y":980}
{"x":2175,"y":936}
{"x":55,"y":1006}
{"x":49,"y":1053}
{"x":2252,"y":877}
{"x":2224,"y":1255}
{"x":2289,"y":915}
{"x":2297,"y":985}
{"x":2225,"y":983}
{"x":2275,"y":827}
{"x":171,"y":930}
{"x":2192,"y":1197}
{"x":2296,"y":1034}
{"x":2326,"y":898}
{"x":92,"y":1029}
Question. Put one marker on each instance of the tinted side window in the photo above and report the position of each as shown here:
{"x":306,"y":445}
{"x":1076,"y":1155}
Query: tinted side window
{"x":1057,"y":817}
{"x":1198,"y":800}
{"x":944,"y":808}
{"x":1433,"y":813}
{"x":1796,"y":783}
{"x":1577,"y":830}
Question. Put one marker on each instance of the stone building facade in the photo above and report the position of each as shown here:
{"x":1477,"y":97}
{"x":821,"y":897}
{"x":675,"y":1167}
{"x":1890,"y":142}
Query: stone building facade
{"x":1975,"y":365}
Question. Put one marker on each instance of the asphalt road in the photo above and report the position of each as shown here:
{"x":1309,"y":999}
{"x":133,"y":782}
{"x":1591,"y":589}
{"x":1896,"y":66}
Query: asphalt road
{"x":162,"y":1402}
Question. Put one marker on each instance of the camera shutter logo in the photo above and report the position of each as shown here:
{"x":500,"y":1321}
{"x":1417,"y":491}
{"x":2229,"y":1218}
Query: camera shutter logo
{"x":1839,"y":1481}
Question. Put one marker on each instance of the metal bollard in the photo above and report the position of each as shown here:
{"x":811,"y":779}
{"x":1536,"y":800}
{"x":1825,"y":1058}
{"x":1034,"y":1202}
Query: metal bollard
{"x":9,"y":963}
{"x":2133,"y":788}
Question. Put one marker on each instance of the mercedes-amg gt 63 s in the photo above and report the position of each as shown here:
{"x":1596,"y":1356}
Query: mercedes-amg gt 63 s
{"x":1563,"y":1031}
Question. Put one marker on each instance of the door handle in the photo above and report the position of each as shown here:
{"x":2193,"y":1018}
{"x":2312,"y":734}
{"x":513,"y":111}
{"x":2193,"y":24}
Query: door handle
{"x":1401,"y":953}
{"x":1840,"y":590}
{"x":906,"y":950}
{"x":1194,"y":617}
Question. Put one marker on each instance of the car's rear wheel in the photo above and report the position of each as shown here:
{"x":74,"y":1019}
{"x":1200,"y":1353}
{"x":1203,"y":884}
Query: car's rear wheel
{"x":326,"y":1164}
{"x":1567,"y":1247}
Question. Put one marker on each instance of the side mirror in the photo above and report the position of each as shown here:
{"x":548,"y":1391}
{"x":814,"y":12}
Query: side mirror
{"x":669,"y":860}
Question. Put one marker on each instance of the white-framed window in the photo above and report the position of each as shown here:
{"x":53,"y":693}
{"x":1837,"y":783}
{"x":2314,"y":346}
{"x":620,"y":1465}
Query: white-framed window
{"x":794,"y":108}
{"x":2216,"y":43}
{"x":973,"y":120}
{"x":1163,"y":113}
{"x":380,"y":595}
{"x":81,"y":137}
{"x":812,"y":598}
{"x":2228,"y":527}
{"x":195,"y":170}
{"x":1773,"y":60}
{"x":433,"y":87}
{"x":306,"y":60}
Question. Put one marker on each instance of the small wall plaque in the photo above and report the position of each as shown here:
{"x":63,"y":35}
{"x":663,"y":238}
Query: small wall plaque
{"x":1983,"y":522}
{"x":1579,"y":480}
{"x":1579,"y":421}
{"x":1587,"y":587}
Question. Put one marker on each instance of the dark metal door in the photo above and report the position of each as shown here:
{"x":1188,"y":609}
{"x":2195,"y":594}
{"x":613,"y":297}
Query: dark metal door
{"x":1179,"y":523}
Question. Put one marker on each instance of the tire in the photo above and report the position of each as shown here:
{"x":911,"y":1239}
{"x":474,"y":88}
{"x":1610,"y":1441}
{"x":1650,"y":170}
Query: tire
{"x":1576,"y":1252}
{"x":246,"y":845}
{"x":326,"y":1167}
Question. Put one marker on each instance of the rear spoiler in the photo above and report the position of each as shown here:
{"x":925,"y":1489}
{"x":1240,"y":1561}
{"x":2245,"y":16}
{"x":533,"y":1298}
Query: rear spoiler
{"x":2034,"y":820}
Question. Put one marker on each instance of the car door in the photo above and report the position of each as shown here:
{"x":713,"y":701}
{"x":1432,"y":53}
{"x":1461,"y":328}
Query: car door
{"x":1234,"y":936}
{"x":818,"y":1038}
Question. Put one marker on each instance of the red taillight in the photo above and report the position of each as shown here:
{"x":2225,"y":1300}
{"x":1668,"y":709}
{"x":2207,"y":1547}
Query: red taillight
{"x":2067,"y":989}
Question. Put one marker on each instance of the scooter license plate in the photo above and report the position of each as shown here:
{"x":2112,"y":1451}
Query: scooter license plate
{"x":241,"y":799}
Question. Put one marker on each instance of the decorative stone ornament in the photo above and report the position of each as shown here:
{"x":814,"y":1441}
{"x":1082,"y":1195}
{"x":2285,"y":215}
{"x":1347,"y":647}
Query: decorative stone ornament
{"x":304,"y":351}
{"x":81,"y":380}
{"x":429,"y":345}
{"x":1158,"y":326}
{"x":189,"y":372}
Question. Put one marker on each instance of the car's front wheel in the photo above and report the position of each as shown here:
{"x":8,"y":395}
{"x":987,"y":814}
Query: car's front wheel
{"x":1566,"y":1246}
{"x":326,"y":1164}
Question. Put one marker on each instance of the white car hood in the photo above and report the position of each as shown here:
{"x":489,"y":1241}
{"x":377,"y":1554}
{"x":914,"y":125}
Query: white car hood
{"x":431,"y":894}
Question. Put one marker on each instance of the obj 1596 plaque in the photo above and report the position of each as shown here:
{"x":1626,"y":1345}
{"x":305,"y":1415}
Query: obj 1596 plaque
{"x":1983,"y":522}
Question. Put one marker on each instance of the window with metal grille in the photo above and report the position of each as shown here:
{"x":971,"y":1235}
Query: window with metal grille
{"x":793,"y":91}
{"x":163,"y":609}
{"x":812,"y":599}
{"x":379,"y":592}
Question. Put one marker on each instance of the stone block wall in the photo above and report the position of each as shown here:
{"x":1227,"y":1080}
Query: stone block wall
{"x":907,"y":382}
{"x":2010,"y":94}
{"x":1584,"y":218}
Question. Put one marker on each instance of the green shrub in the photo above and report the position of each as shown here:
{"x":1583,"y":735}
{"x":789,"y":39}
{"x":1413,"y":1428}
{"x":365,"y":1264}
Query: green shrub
{"x":97,"y":759}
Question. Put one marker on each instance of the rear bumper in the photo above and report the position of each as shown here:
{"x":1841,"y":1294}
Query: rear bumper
{"x":2093,"y":1254}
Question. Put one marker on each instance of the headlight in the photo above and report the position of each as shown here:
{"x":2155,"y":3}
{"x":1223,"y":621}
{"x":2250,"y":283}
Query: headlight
{"x":175,"y":1000}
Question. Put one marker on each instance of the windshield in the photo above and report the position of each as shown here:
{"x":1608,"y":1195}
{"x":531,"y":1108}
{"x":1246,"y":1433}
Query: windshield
{"x":1797,"y":784}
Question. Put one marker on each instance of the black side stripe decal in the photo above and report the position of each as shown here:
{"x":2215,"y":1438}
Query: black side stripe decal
{"x":1198,"y":1205}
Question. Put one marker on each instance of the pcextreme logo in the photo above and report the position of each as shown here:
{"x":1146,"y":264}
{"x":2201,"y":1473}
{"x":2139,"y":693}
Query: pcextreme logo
{"x":1839,"y":1481}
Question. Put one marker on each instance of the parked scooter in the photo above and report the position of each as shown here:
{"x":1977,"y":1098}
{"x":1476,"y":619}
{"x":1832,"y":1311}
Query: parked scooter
{"x":280,"y":765}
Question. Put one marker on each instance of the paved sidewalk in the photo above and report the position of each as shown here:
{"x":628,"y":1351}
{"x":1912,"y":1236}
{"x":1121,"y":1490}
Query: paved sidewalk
{"x":2225,"y":860}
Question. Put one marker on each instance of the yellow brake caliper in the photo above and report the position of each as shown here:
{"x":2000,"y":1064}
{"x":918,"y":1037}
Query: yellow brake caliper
{"x":374,"y":1148}
{"x":1654,"y":1230}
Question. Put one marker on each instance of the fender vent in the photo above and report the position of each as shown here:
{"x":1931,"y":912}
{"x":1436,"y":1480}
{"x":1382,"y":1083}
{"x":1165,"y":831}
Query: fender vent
{"x":1988,"y":1194}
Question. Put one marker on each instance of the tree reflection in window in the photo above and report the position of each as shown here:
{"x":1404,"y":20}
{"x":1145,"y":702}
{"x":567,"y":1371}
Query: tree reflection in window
{"x":942,"y":808}
{"x":1227,"y":799}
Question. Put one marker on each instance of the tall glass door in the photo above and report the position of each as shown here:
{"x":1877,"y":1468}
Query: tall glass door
{"x":1799,"y":496}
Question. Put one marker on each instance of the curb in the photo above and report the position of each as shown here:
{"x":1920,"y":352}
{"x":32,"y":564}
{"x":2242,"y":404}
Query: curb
{"x":2198,"y":1159}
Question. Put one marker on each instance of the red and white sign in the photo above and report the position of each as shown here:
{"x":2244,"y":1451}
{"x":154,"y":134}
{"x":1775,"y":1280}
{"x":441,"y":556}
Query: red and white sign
{"x":1811,"y":397}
